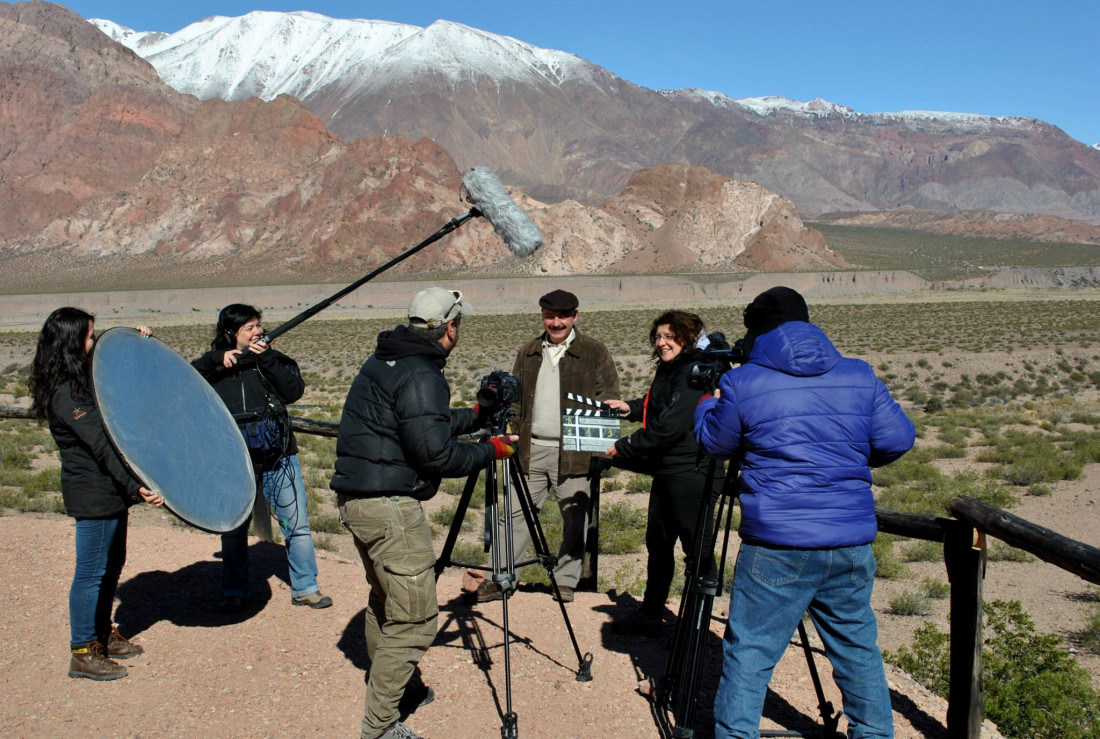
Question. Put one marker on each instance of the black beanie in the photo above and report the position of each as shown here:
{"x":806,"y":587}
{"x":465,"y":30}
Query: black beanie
{"x":774,"y":307}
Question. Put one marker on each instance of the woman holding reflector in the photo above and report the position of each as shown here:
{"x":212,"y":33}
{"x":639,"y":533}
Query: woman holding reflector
{"x":96,"y":487}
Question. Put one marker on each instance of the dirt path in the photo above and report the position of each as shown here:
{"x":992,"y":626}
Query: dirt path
{"x":276,"y":670}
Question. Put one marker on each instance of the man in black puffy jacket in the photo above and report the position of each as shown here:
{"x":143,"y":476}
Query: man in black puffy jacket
{"x":396,"y":442}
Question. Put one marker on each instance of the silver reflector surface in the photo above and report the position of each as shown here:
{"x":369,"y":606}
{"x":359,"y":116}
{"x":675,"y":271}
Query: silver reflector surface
{"x":173,"y":430}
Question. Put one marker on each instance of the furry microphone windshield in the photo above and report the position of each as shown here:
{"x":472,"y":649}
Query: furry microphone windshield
{"x":486,"y":193}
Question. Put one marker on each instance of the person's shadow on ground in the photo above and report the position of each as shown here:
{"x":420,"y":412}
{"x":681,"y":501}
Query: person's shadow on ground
{"x":190,"y":596}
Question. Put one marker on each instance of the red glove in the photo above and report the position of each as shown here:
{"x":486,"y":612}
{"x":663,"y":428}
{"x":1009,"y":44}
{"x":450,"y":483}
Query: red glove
{"x":708,"y":396}
{"x":502,"y":447}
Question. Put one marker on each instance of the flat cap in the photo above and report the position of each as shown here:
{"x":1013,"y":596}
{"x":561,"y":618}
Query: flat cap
{"x":560,"y":301}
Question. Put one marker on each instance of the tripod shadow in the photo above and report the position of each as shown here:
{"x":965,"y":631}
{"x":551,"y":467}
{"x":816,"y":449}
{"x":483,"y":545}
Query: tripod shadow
{"x":189,"y":596}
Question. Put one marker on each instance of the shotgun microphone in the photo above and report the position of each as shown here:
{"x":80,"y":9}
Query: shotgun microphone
{"x":486,"y":193}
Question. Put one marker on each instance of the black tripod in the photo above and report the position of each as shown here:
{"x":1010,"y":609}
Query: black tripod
{"x":509,"y":479}
{"x":679,"y":689}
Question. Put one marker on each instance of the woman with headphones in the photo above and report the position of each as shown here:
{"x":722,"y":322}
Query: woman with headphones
{"x":256,"y":383}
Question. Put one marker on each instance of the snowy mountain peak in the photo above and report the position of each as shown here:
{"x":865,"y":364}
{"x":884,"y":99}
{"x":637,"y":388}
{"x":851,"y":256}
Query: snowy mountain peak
{"x":265,"y":54}
{"x":818,"y":108}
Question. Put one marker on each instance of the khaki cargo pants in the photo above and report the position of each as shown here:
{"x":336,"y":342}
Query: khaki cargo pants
{"x":395,"y":544}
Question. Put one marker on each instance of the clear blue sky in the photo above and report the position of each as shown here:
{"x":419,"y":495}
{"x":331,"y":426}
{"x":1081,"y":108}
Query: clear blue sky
{"x":1034,"y":58}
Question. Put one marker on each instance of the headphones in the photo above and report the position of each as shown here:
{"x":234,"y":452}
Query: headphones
{"x":222,"y":327}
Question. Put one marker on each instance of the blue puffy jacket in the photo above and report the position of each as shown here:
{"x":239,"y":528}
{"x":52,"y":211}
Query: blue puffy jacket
{"x":807,"y":424}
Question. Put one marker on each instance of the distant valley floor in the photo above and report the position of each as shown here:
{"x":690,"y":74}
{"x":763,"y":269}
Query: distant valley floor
{"x":513,"y":294}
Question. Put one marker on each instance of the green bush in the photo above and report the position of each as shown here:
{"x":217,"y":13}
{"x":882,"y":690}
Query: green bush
{"x":627,"y":578}
{"x":469,"y":552}
{"x":922,"y":551}
{"x":934,"y":589}
{"x":622,"y":529}
{"x":1001,"y":552}
{"x":1033,"y":688}
{"x":910,"y":604}
{"x":639,"y":484}
{"x":326,"y":523}
{"x":889,"y":564}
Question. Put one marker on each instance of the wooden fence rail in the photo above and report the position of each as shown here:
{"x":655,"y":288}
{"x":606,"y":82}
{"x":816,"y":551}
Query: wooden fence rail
{"x":963,"y":539}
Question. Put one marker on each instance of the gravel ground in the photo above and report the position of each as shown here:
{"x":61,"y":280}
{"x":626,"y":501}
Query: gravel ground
{"x":277,"y":670}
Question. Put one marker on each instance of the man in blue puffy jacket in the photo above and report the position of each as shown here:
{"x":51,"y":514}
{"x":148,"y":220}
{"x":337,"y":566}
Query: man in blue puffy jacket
{"x":806,"y":425}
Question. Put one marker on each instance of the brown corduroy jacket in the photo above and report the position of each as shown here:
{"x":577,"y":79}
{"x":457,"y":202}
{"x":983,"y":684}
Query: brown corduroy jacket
{"x":585,"y":369}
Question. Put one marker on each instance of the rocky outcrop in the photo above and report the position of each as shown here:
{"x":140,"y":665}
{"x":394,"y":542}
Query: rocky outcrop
{"x":80,"y":116}
{"x":113,"y":179}
{"x":680,"y":218}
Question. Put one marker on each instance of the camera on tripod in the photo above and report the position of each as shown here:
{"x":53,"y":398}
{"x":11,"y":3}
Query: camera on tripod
{"x":498,"y":391}
{"x":714,"y":361}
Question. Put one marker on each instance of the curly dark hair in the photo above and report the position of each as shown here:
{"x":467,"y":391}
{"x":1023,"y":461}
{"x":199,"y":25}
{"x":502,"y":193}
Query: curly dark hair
{"x":685,"y":327}
{"x":230,"y":320}
{"x":58,"y":357}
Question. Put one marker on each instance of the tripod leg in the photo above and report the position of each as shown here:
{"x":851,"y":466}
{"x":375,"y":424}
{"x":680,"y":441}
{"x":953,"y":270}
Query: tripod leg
{"x":824,"y":707}
{"x":684,"y":668}
{"x":542,"y":551}
{"x":444,"y":559}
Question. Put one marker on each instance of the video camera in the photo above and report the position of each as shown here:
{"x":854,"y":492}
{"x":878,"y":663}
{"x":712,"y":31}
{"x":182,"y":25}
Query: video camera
{"x":717,"y":359}
{"x":498,"y":391}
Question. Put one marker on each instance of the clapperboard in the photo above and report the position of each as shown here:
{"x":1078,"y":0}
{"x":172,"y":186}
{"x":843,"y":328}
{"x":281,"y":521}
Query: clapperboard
{"x":591,"y":429}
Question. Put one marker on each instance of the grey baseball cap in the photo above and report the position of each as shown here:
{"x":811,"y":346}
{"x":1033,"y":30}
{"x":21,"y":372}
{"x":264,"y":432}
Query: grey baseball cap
{"x":435,"y":306}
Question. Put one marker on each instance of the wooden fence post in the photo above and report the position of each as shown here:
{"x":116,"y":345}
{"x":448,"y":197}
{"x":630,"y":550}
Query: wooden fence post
{"x":964,"y":555}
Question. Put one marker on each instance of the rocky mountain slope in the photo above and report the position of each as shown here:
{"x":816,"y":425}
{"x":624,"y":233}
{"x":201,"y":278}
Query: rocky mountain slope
{"x":109,"y":173}
{"x":562,"y":127}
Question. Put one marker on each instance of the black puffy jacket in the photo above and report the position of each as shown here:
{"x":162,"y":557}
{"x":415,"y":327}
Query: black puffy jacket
{"x":666,"y":442}
{"x":397,"y":430}
{"x":248,"y":386}
{"x":95,"y":483}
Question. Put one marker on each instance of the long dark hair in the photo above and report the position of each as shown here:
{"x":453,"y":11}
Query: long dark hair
{"x":230,"y":320}
{"x":685,"y":326}
{"x":60,"y":356}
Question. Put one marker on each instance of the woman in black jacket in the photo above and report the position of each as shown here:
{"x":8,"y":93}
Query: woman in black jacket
{"x":665,"y":448}
{"x":96,"y":487}
{"x":257,"y":383}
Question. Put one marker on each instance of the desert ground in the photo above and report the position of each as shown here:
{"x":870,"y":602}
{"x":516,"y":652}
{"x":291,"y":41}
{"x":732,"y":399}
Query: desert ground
{"x":274,"y":670}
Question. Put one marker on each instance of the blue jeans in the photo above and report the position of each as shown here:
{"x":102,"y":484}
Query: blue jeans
{"x":100,"y":555}
{"x":284,"y":491}
{"x":772,"y":588}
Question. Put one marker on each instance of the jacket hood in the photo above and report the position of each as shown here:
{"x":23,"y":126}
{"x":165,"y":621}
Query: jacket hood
{"x":401,"y":342}
{"x":795,"y":348}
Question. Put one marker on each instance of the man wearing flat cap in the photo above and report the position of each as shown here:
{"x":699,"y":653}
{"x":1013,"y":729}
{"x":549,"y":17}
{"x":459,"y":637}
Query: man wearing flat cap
{"x":560,"y":360}
{"x":807,"y":425}
{"x":395,"y":442}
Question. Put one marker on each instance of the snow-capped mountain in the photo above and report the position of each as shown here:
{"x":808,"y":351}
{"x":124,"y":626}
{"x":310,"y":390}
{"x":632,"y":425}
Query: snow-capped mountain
{"x":560,"y":126}
{"x":266,"y":54}
{"x":818,"y":108}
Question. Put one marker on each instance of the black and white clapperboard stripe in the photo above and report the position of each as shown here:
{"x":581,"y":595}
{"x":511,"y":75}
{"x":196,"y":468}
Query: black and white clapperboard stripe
{"x":597,"y":408}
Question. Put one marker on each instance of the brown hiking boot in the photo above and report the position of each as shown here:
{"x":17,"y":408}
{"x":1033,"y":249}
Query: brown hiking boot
{"x":487,"y":591}
{"x":89,"y":661}
{"x":119,"y":647}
